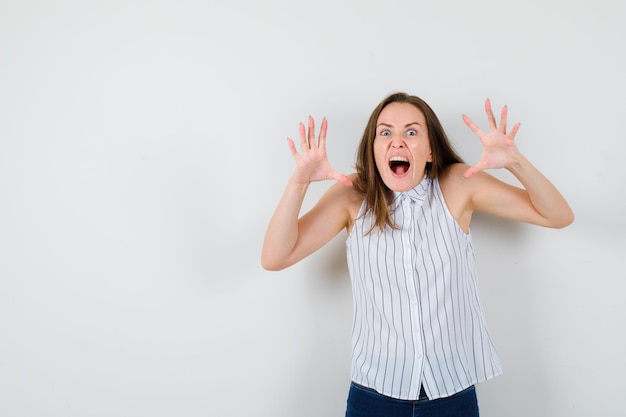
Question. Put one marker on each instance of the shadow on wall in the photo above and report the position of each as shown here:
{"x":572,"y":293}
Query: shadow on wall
{"x":323,"y":375}
{"x":506,"y":270}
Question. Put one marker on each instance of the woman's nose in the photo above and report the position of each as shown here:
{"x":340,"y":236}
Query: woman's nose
{"x":396,"y":143}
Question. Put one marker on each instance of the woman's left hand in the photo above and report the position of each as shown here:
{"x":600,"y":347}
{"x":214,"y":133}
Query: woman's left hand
{"x":499,"y":149}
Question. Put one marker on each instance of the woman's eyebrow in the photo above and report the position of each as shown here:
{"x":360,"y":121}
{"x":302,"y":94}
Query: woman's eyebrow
{"x":407,"y":125}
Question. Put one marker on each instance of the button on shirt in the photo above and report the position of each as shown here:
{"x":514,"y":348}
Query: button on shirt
{"x":417,"y":315}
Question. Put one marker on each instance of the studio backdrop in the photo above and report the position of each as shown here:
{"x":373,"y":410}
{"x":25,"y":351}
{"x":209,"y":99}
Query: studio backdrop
{"x":143,"y":150}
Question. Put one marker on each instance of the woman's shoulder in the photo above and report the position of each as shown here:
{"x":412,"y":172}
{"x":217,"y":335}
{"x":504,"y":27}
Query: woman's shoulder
{"x":457,"y":193}
{"x":354,"y":198}
{"x":452,"y":178}
{"x":454,"y":175}
{"x":345,"y":196}
{"x":455,"y":170}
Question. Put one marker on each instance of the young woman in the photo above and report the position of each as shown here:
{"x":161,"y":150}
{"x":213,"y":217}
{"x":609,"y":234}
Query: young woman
{"x":419,"y":338}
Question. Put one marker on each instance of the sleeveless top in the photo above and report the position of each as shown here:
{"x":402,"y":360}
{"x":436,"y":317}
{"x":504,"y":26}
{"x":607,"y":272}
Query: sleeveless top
{"x":417,"y":314}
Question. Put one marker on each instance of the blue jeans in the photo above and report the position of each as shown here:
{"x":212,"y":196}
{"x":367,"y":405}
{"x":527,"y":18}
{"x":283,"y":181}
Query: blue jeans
{"x":365,"y":402}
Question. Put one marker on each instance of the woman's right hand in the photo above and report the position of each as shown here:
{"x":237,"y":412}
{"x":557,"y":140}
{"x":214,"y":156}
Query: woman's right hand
{"x":312,"y":163}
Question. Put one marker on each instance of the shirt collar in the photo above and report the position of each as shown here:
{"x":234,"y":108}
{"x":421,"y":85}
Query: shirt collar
{"x":418,"y":193}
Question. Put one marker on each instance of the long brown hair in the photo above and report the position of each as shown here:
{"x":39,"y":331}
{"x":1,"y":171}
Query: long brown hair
{"x":378,"y":197}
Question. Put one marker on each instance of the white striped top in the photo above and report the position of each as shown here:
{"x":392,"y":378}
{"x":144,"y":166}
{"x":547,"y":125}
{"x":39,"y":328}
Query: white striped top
{"x":417,"y":318}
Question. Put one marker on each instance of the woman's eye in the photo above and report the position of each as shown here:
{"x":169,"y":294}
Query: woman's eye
{"x":412,"y":132}
{"x":384,"y":133}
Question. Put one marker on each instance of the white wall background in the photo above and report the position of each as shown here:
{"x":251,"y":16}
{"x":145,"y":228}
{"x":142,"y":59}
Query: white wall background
{"x":142,"y":152}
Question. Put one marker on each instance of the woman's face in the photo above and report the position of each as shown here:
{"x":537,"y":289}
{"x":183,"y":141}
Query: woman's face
{"x":401,"y":146}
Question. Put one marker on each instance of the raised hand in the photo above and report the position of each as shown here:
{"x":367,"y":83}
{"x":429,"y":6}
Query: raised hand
{"x":312,"y":163}
{"x":499,"y":149}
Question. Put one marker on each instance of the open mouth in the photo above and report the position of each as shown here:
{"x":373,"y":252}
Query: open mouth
{"x":399,"y":165}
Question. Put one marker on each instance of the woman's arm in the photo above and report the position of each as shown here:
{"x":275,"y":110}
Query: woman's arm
{"x":290,"y":238}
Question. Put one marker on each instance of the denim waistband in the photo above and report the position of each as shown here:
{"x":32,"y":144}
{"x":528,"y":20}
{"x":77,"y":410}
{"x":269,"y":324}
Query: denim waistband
{"x":422,"y":396}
